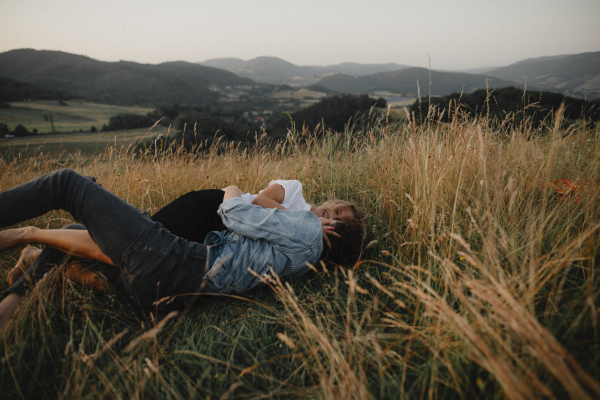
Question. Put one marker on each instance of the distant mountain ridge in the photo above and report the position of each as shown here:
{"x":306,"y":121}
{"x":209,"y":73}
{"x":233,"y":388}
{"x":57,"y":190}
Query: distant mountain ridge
{"x":274,"y":70}
{"x":123,"y":82}
{"x":405,"y":82}
{"x":572,"y":74}
{"x":575,"y":75}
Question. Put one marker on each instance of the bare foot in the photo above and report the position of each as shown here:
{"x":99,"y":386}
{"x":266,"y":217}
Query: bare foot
{"x":28,"y":256}
{"x":12,"y":238}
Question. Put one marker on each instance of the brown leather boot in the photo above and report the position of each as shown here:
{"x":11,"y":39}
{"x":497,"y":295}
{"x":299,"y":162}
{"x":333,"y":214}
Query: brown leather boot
{"x":28,"y":256}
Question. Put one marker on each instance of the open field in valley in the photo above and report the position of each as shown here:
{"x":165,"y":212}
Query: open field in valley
{"x":65,"y":145}
{"x":308,"y":97}
{"x":479,"y":277}
{"x":75,"y":116}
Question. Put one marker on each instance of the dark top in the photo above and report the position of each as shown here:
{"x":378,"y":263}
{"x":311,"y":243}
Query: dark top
{"x":192,"y":215}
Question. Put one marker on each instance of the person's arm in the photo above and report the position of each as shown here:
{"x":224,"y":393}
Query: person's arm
{"x":285,"y":229}
{"x":74,"y":242}
{"x":231,"y":192}
{"x":75,"y":271}
{"x":8,"y":306}
{"x":271,"y":197}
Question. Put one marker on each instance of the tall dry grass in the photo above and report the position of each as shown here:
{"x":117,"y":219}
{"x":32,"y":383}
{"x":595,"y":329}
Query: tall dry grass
{"x":479,"y":281}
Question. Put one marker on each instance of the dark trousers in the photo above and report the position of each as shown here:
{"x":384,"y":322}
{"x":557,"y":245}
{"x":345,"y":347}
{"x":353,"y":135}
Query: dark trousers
{"x":154,"y":263}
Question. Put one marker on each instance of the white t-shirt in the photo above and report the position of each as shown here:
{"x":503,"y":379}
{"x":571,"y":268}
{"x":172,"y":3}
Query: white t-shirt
{"x":292,"y":200}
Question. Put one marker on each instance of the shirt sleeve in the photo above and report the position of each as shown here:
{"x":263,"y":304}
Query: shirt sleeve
{"x":293,"y":199}
{"x":284,"y":228}
{"x":247,"y":197}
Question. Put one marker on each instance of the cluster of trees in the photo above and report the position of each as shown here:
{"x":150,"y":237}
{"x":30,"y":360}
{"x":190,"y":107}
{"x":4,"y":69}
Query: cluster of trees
{"x":127,"y":121}
{"x":20,"y":130}
{"x":498,"y":103}
{"x":332,"y":113}
{"x":236,"y":123}
{"x":231,"y":121}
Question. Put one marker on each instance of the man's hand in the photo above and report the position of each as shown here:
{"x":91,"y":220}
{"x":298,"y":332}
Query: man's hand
{"x":328,"y":226}
{"x":231,"y":192}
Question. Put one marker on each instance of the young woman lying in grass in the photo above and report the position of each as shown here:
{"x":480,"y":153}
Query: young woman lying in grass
{"x":158,"y":268}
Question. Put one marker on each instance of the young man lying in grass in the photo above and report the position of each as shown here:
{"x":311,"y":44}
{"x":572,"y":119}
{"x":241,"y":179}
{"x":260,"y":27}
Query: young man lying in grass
{"x":156,"y":265}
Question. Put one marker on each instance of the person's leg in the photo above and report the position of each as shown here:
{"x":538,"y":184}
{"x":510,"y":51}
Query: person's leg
{"x":88,"y":273}
{"x":8,"y":306}
{"x":28,"y":256}
{"x":112,"y":223}
{"x":47,"y":259}
{"x":193,"y":215}
{"x":77,"y":243}
{"x":84,"y":272}
{"x":154,"y":262}
{"x":44,"y":262}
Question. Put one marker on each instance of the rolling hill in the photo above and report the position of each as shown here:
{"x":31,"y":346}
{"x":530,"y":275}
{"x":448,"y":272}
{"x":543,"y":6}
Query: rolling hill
{"x":405,"y":82}
{"x":277,"y":71}
{"x":121,"y":82}
{"x":573,"y":74}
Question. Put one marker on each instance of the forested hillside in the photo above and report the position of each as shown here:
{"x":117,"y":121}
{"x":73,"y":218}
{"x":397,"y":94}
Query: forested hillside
{"x":11,"y":90}
{"x":120,"y":82}
{"x":511,"y":102}
{"x":574,"y":74}
{"x":333,"y":113}
{"x":405,"y":82}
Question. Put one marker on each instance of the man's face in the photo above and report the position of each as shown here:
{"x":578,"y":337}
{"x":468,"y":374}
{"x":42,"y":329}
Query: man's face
{"x":327,"y":210}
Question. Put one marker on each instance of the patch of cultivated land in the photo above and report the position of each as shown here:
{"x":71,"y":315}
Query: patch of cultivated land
{"x":308,"y":97}
{"x":299,"y":94}
{"x":64,"y":145}
{"x":73,"y":117}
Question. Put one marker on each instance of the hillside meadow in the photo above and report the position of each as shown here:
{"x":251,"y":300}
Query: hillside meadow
{"x":74,"y":116}
{"x":62,"y":147}
{"x":479,"y":277}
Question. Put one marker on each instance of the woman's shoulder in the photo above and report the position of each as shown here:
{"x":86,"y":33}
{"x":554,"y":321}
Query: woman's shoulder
{"x":294,"y":198}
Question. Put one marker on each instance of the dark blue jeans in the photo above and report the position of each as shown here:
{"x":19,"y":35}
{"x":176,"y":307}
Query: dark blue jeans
{"x":154,"y":263}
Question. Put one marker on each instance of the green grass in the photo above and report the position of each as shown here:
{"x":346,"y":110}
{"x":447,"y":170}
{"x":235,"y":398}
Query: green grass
{"x":480,"y":282}
{"x":76,"y":116}
{"x":67,"y":145}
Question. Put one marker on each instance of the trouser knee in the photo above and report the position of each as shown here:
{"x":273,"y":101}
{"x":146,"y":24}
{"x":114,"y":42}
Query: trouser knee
{"x":67,"y":175}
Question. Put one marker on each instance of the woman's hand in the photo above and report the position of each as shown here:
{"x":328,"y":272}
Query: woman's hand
{"x":328,"y":226}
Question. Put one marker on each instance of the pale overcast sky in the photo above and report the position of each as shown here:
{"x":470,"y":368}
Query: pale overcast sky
{"x":456,"y":34}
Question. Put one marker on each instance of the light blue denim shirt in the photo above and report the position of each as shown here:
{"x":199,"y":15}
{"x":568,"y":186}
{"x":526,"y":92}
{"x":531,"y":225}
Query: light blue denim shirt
{"x":262,"y":239}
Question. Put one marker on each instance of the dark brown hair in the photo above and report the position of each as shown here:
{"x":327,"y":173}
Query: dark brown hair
{"x":347,"y":248}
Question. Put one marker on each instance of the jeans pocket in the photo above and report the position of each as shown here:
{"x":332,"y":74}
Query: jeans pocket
{"x":145,"y":271}
{"x":251,"y":279}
